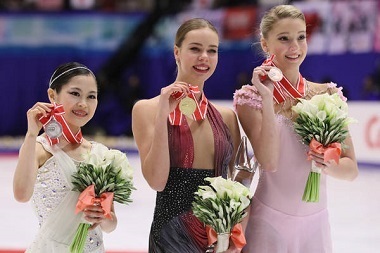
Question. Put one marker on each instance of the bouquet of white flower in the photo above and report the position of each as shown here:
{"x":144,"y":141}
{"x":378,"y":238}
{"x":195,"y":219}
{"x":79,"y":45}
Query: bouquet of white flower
{"x":221,"y":205}
{"x":322,"y":124}
{"x":101,"y":180}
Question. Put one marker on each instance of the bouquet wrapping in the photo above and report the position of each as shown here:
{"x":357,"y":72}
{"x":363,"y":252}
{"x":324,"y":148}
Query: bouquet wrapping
{"x":101,"y":180}
{"x":322,"y":123}
{"x":221,"y":205}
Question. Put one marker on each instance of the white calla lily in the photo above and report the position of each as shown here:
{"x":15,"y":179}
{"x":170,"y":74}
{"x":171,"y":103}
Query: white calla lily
{"x":324,"y":118}
{"x":222,"y":203}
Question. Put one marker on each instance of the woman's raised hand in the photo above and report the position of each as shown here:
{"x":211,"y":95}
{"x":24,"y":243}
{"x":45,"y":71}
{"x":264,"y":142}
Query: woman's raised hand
{"x":38,"y":110}
{"x":263,"y":85}
{"x":172,"y":94}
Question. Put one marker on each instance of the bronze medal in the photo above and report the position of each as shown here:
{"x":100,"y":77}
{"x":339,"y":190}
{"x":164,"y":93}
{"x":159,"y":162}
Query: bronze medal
{"x":275,"y":74}
{"x":187,"y":106}
{"x":53,"y":129}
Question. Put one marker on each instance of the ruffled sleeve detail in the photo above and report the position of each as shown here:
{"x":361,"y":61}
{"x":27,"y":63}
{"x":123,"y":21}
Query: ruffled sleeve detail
{"x":332,"y":87}
{"x":247,"y":95}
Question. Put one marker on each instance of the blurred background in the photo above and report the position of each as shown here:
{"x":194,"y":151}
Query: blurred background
{"x":129,"y":46}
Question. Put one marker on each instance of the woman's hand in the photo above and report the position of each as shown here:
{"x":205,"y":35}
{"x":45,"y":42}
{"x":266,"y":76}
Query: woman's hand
{"x":265,"y":88}
{"x":319,"y":161}
{"x":94,"y":214}
{"x":33,"y":114}
{"x":172,"y":94}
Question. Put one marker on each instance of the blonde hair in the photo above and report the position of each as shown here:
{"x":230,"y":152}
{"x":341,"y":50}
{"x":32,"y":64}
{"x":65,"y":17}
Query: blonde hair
{"x":277,"y":13}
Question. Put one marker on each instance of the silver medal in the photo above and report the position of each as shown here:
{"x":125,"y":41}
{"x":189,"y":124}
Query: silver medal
{"x":53,"y":129}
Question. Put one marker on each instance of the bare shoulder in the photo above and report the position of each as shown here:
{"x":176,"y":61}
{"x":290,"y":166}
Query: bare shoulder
{"x":145,"y":107}
{"x":224,"y":111}
{"x":228,"y":115}
{"x":145,"y":103}
{"x":143,"y":116}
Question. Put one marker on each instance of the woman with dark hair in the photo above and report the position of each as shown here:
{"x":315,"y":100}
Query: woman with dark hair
{"x":47,"y":161}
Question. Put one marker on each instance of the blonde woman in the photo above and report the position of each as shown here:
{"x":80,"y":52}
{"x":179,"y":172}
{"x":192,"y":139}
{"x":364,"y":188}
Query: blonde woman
{"x":280,"y":222}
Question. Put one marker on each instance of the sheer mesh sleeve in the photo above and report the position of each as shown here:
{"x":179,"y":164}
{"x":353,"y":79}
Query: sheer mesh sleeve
{"x":247,"y":95}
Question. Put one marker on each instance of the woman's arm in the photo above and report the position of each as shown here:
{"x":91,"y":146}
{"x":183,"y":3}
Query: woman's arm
{"x":149,"y":126}
{"x":31,"y":155}
{"x":151,"y":135}
{"x":259,"y":123}
{"x":26,"y":170}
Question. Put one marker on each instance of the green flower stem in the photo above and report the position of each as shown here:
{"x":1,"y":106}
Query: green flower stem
{"x":311,"y":193}
{"x":79,"y":241}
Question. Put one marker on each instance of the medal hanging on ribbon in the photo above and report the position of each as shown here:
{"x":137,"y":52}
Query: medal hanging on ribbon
{"x":55,"y":125}
{"x":53,"y":128}
{"x":282,"y":86}
{"x":188,"y":106}
{"x":275,"y":74}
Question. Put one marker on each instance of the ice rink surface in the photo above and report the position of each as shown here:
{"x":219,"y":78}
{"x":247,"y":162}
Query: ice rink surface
{"x":354,"y":209}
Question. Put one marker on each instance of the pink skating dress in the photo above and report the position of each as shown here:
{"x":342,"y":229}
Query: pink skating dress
{"x":280,"y":222}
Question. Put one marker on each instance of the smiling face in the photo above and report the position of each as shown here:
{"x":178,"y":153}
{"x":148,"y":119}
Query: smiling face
{"x":79,"y":100}
{"x":287,"y":41}
{"x":197,"y":56}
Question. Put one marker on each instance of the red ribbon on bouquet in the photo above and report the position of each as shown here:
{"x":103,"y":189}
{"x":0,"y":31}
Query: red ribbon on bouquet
{"x":284,"y":88}
{"x":175,"y":117}
{"x":57,"y":114}
{"x":331,"y":151}
{"x":237,"y":236}
{"x":88,"y":198}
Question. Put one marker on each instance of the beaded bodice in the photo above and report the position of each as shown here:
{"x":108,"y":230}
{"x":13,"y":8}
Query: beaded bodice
{"x":51,"y":187}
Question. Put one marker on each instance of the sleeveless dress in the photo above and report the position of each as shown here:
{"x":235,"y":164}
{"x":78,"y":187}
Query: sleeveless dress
{"x":174,"y":227}
{"x":54,"y":204}
{"x":280,"y":222}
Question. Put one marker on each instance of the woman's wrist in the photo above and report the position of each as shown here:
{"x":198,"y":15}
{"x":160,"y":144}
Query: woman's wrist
{"x":30,"y":135}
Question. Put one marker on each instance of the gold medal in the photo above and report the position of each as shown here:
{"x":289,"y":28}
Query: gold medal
{"x":275,"y":74}
{"x":53,"y":129}
{"x":187,"y":106}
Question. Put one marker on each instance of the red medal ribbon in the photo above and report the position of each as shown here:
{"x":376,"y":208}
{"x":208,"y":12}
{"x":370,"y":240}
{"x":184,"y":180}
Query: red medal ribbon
{"x":88,"y":198}
{"x":236,"y":235}
{"x":331,"y":151}
{"x":284,"y":88}
{"x":57,"y":114}
{"x":175,"y":117}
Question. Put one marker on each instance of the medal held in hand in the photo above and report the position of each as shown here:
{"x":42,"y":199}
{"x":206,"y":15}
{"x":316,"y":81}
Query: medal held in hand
{"x":53,"y":129}
{"x":187,"y":106}
{"x":275,"y":74}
